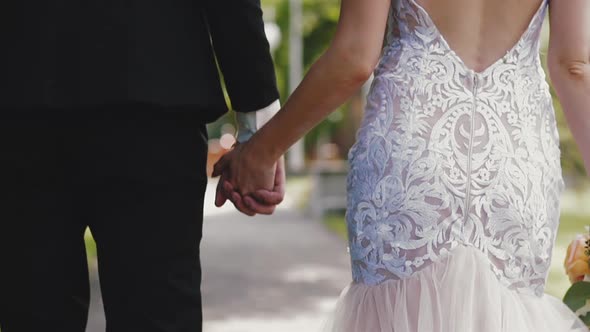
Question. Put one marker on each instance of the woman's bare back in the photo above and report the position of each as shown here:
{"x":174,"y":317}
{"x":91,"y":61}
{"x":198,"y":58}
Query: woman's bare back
{"x":481,"y":31}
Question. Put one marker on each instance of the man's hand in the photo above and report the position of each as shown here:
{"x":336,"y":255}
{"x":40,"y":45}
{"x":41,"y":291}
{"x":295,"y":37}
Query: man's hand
{"x":252,"y":186}
{"x":223,"y":193}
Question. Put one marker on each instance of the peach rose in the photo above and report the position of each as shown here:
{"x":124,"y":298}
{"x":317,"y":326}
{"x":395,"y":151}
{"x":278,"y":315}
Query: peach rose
{"x":576,"y":262}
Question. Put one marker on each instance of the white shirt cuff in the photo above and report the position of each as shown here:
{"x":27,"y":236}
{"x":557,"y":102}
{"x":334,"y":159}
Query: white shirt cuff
{"x":250,"y":122}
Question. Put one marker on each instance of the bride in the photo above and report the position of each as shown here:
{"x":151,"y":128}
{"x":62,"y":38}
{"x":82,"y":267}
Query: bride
{"x":455,"y":180}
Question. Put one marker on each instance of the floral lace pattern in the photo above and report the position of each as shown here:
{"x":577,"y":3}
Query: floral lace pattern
{"x":447,"y":156}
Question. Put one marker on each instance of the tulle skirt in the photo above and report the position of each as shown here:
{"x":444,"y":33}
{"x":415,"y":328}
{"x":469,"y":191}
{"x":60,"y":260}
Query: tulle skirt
{"x":459,"y":293}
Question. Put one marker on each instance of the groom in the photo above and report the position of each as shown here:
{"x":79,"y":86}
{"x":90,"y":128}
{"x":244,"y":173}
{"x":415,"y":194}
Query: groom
{"x":104,"y":109}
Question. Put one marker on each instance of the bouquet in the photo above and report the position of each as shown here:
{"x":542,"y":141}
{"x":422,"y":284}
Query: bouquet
{"x":577,"y":267}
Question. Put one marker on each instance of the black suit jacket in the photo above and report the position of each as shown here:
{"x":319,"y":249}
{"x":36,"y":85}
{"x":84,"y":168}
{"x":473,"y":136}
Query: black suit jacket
{"x":65,"y":53}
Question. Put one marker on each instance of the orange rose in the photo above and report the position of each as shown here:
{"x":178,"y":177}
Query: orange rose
{"x":576,"y":262}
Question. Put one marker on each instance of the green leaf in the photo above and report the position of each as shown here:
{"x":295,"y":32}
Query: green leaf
{"x":586,"y":319}
{"x":576,"y":296}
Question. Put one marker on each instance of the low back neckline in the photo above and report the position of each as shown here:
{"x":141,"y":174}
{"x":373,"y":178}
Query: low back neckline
{"x":461,"y":62}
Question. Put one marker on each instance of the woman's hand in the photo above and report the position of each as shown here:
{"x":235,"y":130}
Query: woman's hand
{"x":250,"y":181}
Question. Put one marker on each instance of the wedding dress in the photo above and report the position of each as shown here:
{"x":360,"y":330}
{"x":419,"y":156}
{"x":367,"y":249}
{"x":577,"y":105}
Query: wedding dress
{"x":453,"y":192}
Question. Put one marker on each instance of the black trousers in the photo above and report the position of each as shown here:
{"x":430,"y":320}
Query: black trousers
{"x":136,"y":176}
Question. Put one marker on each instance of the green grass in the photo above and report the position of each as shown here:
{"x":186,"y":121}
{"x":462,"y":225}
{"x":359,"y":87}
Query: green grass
{"x":557,"y":282}
{"x":336,"y":224}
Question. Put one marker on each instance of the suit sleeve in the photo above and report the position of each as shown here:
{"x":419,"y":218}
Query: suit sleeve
{"x":242,"y":50}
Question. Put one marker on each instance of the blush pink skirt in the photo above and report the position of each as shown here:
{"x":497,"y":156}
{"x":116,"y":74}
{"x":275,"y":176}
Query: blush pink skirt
{"x":459,"y":293}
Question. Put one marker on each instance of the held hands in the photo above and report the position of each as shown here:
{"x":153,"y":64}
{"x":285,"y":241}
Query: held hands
{"x":252,"y":185}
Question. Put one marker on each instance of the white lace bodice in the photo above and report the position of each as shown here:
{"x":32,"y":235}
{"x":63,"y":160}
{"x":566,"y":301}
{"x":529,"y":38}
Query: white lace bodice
{"x":446,"y":156}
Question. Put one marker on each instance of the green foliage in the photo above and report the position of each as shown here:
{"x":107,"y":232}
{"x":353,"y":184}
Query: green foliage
{"x":319,"y":24}
{"x":337,"y":224}
{"x":320,"y":19}
{"x":578,"y":297}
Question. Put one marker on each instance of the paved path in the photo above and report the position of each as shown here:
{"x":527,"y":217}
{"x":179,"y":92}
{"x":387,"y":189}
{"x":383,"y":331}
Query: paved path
{"x":280,"y":273}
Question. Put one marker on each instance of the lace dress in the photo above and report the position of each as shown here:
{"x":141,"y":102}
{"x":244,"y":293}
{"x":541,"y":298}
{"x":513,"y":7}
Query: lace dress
{"x":454,"y":188}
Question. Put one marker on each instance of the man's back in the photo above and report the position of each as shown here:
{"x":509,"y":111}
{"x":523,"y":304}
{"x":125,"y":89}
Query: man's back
{"x":103,"y":106}
{"x":72,"y":53}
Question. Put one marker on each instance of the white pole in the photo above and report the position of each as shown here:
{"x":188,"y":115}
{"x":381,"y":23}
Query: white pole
{"x":296,"y":156}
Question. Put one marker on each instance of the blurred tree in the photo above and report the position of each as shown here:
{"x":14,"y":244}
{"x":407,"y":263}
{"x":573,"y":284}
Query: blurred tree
{"x":319,"y":24}
{"x":320,"y":19}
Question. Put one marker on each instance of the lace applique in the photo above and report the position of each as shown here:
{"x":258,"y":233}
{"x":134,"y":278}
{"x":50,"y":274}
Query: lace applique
{"x":446,"y":156}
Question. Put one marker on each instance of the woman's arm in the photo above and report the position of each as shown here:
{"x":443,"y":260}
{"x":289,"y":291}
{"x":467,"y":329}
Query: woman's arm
{"x":336,"y":75}
{"x":569,"y":66}
{"x":333,"y":78}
